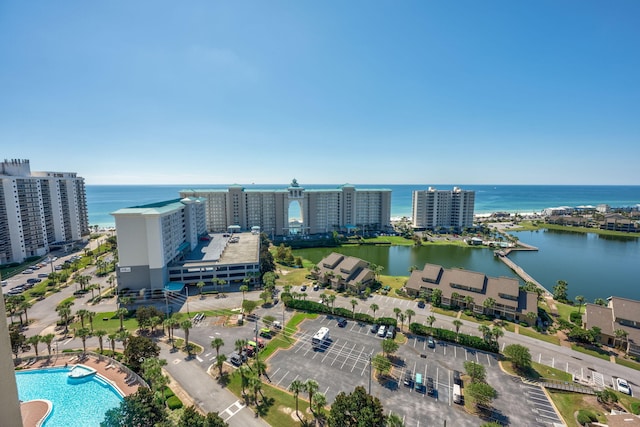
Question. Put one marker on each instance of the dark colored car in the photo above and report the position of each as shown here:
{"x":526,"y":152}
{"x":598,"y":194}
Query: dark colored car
{"x":235,"y":359}
{"x":374,"y":329}
{"x":431,"y":343}
{"x":421,"y":304}
{"x":34,"y":280}
{"x":408,"y":378}
{"x":430,"y":388}
{"x":342,"y":323}
{"x":303,"y":288}
{"x":456,"y":378}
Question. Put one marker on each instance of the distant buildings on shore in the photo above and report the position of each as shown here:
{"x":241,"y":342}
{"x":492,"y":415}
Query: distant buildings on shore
{"x":39,"y":211}
{"x":341,"y":209}
{"x":446,"y":210}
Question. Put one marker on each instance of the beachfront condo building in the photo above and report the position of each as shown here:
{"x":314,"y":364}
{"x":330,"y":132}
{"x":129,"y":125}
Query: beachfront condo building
{"x":446,"y":210}
{"x":39,"y":211}
{"x":165,"y":246}
{"x":9,"y":404}
{"x":296,"y":210}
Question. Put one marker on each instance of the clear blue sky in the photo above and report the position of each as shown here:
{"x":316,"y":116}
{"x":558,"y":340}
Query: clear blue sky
{"x":379,"y":92}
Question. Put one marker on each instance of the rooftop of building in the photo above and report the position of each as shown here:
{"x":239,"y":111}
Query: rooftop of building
{"x":156,"y":208}
{"x":225,"y":248}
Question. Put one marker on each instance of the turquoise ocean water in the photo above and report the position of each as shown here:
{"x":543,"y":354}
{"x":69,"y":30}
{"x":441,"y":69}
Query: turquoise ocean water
{"x":104,"y":199}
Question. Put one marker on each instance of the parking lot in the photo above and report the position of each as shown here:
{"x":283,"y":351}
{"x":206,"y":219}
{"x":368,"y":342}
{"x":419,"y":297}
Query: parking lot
{"x":344,"y":364}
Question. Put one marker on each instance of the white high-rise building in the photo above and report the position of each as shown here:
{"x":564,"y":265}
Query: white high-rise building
{"x":320,"y":210}
{"x":152,"y":236}
{"x":443,"y":209}
{"x":39,"y":210}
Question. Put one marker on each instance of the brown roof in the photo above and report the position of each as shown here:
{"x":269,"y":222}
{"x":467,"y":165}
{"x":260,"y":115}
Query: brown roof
{"x":349,"y":263}
{"x":471,"y":279}
{"x":599,"y":316}
{"x":331,"y":260}
{"x":431,"y":272}
{"x":625,"y":309}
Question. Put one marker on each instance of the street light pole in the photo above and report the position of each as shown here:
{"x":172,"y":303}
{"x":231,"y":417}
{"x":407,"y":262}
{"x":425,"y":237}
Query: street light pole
{"x":370,"y":368}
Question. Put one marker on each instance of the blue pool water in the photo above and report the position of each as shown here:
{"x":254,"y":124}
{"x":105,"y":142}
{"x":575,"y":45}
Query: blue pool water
{"x":84,"y":401}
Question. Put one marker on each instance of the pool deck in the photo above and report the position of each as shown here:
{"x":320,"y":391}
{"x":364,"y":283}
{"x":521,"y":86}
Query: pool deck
{"x":33,"y":412}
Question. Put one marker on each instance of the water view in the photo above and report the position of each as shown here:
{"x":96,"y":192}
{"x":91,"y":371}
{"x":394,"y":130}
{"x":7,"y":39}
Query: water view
{"x":594,"y":266}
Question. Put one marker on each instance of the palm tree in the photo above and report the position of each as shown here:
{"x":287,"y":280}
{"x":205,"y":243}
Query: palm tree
{"x":244,"y":372}
{"x":319,"y":400}
{"x":24,"y":306}
{"x":401,"y":316}
{"x":332,"y":300}
{"x":353,"y":307}
{"x":621,"y":334}
{"x":454,"y":299}
{"x":296,"y":387}
{"x":324,"y":299}
{"x":240,"y":345}
{"x":580,"y":300}
{"x":121,"y":312}
{"x":34,"y":340}
{"x":485,"y":331}
{"x":82,"y":314}
{"x":83,"y":334}
{"x":90,"y":316}
{"x":457,"y":323}
{"x":200,"y":285}
{"x":100,"y":334}
{"x":125,"y":301}
{"x":255,"y":384}
{"x":64,"y":311}
{"x":489,"y":303}
{"x":124,"y":336}
{"x":397,"y":311}
{"x":431,"y":320}
{"x":468,"y":300}
{"x":496,"y":332}
{"x":374,"y":308}
{"x":48,"y":339}
{"x":311,"y":386}
{"x":409,"y":313}
{"x":260,"y":366}
{"x":220,"y":359}
{"x":185,"y":325}
{"x":216,"y":344}
{"x":112,"y":340}
{"x":243,"y":289}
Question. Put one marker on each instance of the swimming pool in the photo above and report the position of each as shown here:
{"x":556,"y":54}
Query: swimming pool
{"x":84,"y":401}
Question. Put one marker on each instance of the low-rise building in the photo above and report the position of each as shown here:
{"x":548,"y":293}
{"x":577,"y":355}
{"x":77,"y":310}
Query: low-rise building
{"x":341,"y":271}
{"x":618,"y":222}
{"x":499,"y":296}
{"x":622,"y":315}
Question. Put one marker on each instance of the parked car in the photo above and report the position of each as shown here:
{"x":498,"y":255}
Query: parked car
{"x":382,"y":332}
{"x":34,"y":280}
{"x":421,"y":304}
{"x":391,"y":332}
{"x":235,"y":359}
{"x":430,"y":388}
{"x":316,"y":287}
{"x":431,"y":343}
{"x":27,"y":271}
{"x":623,"y":386}
{"x":408,"y":378}
{"x":303,"y":288}
{"x":342,"y":323}
{"x":374,"y":329}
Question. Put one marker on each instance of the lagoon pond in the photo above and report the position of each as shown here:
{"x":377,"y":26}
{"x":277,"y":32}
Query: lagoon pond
{"x":594,"y":266}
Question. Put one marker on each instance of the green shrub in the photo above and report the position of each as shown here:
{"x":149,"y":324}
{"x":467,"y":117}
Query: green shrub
{"x":576,"y":317}
{"x":447,"y":335}
{"x":387,"y":321}
{"x":168,"y":393}
{"x":635,"y":408}
{"x":174,"y":403}
{"x":585,"y":416}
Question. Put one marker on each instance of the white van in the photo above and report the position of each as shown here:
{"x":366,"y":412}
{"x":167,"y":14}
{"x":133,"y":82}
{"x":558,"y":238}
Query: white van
{"x":382,"y":332}
{"x":457,"y":394}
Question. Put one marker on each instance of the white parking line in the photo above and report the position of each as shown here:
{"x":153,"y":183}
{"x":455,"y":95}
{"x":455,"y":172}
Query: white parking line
{"x":338,"y":353}
{"x":274,"y":374}
{"x":488,"y":360}
{"x":285,"y":374}
{"x":327,"y":351}
{"x":346,"y":358}
{"x":357,"y":360}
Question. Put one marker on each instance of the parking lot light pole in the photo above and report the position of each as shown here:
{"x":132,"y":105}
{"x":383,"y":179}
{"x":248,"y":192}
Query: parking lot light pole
{"x":370,"y":368}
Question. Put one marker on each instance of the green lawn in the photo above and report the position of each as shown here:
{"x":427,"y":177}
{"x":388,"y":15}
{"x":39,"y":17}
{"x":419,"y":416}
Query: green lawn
{"x":628,"y":363}
{"x":568,"y":403}
{"x":444,"y":311}
{"x":599,"y":353}
{"x":565,"y":310}
{"x":526,"y":331}
{"x":528,"y":225}
{"x":393,"y":240}
{"x":283,"y":339}
{"x":279,"y":404}
{"x":111,"y":324}
{"x":539,"y":372}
